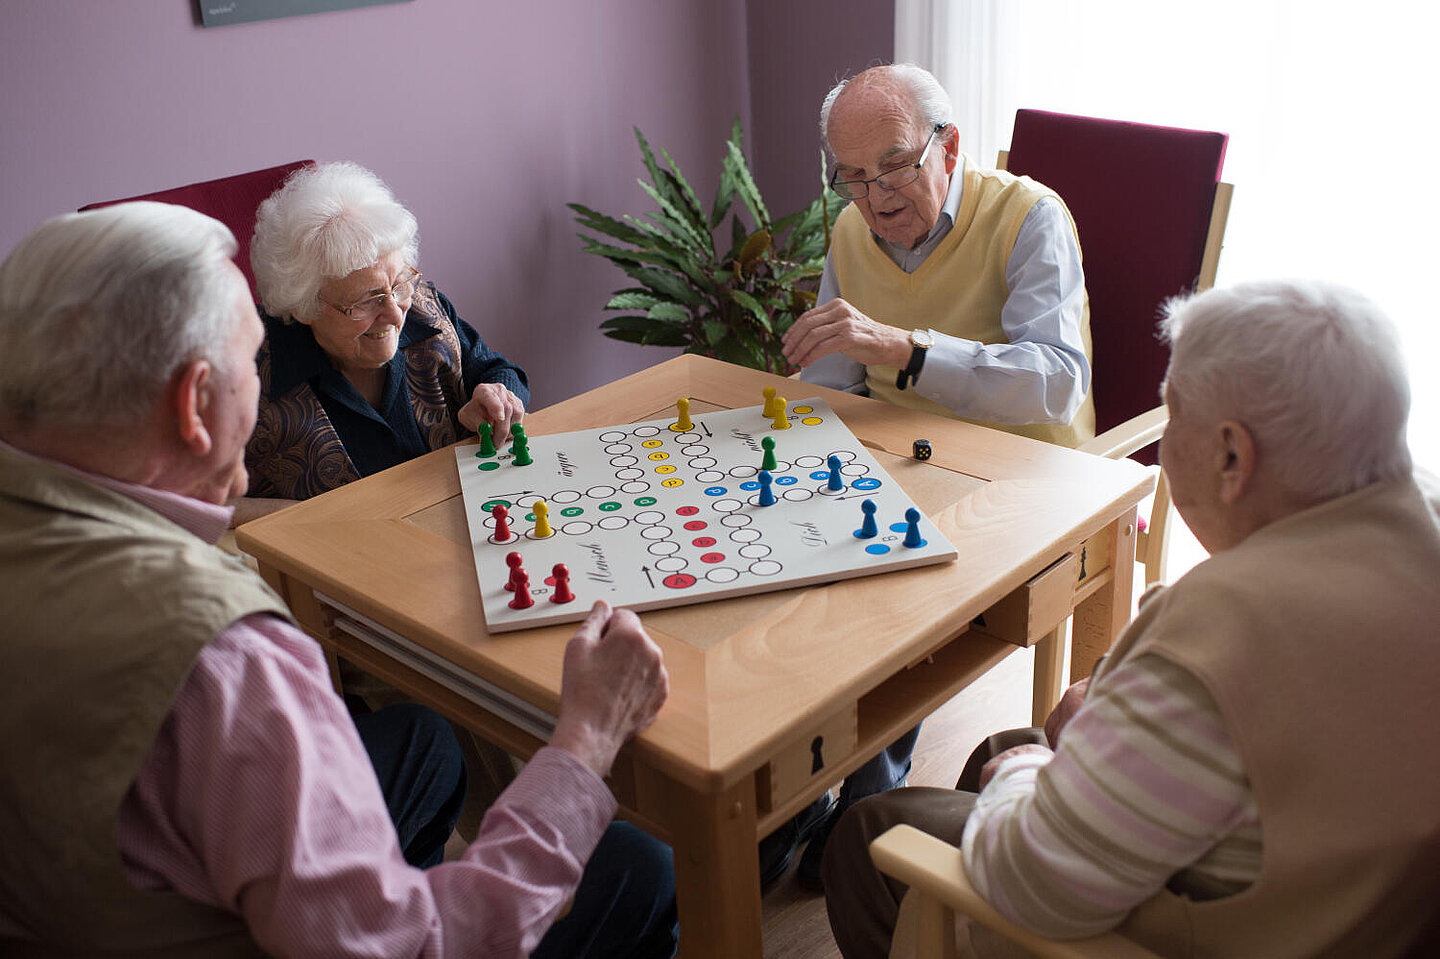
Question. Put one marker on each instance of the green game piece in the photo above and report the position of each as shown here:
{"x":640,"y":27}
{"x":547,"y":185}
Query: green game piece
{"x":768,"y":463}
{"x":522,"y":451}
{"x":487,"y":440}
{"x":517,"y":431}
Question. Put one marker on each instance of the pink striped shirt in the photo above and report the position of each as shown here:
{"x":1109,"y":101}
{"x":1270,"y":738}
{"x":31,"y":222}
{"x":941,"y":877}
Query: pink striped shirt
{"x":258,"y":797}
{"x":1146,"y":790}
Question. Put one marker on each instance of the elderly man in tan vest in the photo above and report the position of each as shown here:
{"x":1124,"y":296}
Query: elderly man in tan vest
{"x":948,"y":288}
{"x":1237,"y":778}
{"x":179,"y":777}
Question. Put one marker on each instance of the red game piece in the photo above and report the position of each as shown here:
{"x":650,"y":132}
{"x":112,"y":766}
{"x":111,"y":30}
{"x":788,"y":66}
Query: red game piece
{"x":502,"y":523}
{"x":562,"y":592}
{"x":522,"y":598}
{"x":513,"y":561}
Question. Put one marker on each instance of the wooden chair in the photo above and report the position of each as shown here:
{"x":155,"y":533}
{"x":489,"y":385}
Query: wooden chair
{"x":232,"y":200}
{"x":1150,"y":210}
{"x":939,"y":889}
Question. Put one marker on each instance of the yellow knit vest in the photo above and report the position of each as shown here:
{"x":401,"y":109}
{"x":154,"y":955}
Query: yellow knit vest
{"x":959,"y":289}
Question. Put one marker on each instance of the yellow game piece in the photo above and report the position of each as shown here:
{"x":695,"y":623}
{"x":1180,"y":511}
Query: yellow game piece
{"x":781,"y":423}
{"x":542,"y":520}
{"x":769,"y":411}
{"x":683,"y":425}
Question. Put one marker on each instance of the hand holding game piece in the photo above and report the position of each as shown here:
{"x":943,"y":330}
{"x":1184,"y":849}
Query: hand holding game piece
{"x":683,"y":424}
{"x":542,"y":520}
{"x":767,"y":497}
{"x":562,"y":593}
{"x":869,"y":529}
{"x":502,"y":524}
{"x":780,"y":423}
{"x":912,"y":529}
{"x":836,"y":482}
{"x":768,"y":461}
{"x":494,"y":404}
{"x":613,"y":685}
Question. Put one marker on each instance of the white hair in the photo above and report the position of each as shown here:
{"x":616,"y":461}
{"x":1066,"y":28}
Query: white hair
{"x":1312,"y":369}
{"x":99,"y":309}
{"x":325,"y":222}
{"x":932,"y":103}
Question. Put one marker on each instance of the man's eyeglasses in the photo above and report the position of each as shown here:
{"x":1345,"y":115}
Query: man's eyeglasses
{"x":370,"y":307}
{"x":895,"y":179}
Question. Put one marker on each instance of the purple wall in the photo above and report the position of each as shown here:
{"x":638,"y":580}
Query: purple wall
{"x":484,"y":117}
{"x":799,"y":49}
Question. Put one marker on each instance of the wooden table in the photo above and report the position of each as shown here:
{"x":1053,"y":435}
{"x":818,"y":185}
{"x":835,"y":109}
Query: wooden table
{"x":381,"y":573}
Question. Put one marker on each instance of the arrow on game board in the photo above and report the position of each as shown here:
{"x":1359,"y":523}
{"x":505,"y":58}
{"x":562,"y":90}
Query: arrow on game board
{"x":706,"y":428}
{"x":510,"y":496}
{"x":646,"y":571}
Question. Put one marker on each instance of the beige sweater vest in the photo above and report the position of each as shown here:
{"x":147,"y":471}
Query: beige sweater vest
{"x":1319,"y":637}
{"x":105,"y":606}
{"x":960,"y":289}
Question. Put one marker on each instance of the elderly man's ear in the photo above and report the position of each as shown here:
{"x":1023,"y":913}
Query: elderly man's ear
{"x":190,"y":400}
{"x":1237,"y":455}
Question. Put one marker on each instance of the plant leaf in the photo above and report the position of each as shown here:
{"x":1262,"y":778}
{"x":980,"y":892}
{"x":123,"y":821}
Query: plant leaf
{"x":745,"y":186}
{"x":668,"y":311}
{"x":632,"y":300}
{"x":753,"y":305}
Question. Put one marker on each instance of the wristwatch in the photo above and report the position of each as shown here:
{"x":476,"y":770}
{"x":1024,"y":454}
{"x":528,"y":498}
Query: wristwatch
{"x":920,"y":341}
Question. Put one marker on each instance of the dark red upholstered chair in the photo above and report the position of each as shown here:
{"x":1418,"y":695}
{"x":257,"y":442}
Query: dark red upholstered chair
{"x":1150,"y":210}
{"x":232,"y":200}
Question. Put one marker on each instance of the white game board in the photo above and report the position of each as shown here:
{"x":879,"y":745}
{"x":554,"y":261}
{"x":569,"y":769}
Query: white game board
{"x":647,"y":516}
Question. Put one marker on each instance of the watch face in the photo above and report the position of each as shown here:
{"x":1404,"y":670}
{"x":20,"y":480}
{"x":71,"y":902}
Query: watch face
{"x":922,"y":339}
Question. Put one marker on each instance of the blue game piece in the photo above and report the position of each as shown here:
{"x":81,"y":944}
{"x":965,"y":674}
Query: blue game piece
{"x":767,"y":498}
{"x":912,"y":531}
{"x":868,"y":529}
{"x":836,"y":484}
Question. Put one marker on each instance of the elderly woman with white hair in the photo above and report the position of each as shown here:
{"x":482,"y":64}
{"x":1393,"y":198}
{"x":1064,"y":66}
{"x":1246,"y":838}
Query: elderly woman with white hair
{"x":365,"y":364}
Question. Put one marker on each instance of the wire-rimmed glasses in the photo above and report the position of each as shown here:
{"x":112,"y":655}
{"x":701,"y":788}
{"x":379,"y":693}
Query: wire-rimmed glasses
{"x":895,"y":179}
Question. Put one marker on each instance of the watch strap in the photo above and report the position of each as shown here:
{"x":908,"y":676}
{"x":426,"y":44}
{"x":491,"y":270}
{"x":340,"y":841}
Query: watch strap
{"x":911,"y":372}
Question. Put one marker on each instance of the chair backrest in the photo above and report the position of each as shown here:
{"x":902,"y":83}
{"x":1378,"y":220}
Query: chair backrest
{"x":232,"y":200}
{"x":1143,"y":198}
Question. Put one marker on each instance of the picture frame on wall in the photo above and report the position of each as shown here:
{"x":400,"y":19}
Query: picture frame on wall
{"x":219,"y":13}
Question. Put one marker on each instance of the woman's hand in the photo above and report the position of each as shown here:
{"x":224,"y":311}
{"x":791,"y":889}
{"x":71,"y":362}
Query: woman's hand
{"x":494,"y":404}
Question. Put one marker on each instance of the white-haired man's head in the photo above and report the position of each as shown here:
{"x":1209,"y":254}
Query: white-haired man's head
{"x":99,"y":309}
{"x":1311,"y":371}
{"x":931,"y":103}
{"x":325,"y":222}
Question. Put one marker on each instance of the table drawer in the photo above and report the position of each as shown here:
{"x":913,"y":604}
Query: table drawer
{"x":1036,"y":608}
{"x":802,"y":759}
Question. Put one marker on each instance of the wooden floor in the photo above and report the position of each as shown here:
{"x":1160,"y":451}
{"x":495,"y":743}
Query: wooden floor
{"x":795,"y":922}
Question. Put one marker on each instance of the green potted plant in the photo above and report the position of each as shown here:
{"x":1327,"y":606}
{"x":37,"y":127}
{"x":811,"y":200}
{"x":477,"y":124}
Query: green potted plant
{"x":732,"y":301}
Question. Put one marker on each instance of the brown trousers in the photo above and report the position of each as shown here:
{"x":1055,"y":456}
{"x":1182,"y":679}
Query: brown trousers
{"x":863,"y":902}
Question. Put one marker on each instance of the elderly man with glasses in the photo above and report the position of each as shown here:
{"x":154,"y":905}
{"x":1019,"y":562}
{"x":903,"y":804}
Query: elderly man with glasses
{"x":949,"y":289}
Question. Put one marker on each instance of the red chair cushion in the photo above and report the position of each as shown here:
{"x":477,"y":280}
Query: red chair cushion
{"x":1141,"y":197}
{"x":232,"y":200}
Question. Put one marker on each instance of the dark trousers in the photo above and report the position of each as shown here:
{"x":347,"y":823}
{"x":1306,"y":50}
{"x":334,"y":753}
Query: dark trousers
{"x":422,"y":775}
{"x":624,"y":907}
{"x":863,"y":902}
